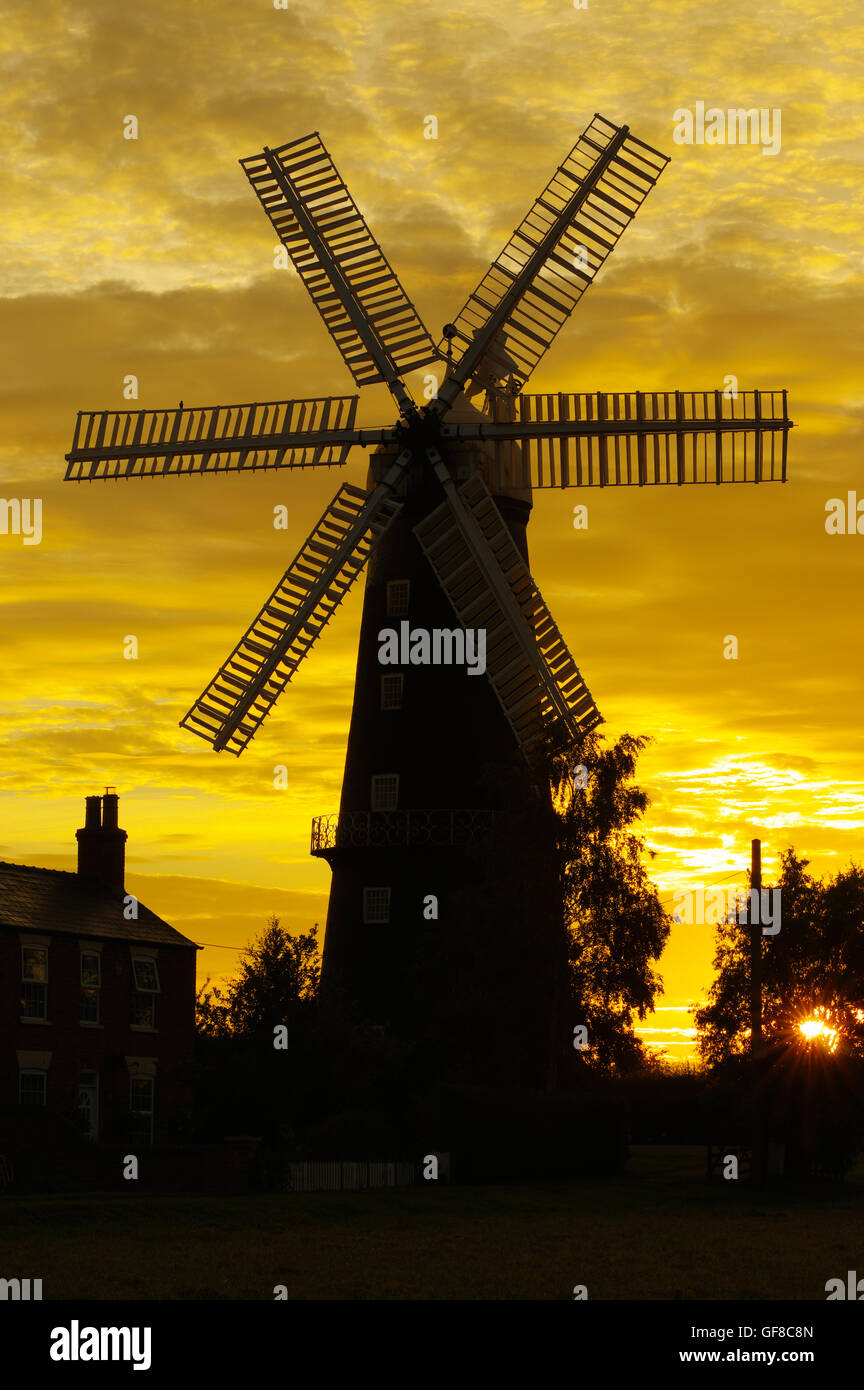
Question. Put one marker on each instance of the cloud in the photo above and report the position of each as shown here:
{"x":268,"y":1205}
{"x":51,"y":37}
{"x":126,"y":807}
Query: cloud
{"x":152,"y":257}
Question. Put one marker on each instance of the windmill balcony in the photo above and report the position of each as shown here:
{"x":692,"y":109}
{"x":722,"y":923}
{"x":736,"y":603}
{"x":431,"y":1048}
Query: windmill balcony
{"x":407,"y":829}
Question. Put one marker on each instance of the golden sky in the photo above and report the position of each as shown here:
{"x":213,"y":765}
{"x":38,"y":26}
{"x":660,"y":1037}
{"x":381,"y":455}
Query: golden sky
{"x":153,"y":257}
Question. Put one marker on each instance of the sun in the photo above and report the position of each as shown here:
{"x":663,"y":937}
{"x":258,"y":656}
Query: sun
{"x":816,"y":1030}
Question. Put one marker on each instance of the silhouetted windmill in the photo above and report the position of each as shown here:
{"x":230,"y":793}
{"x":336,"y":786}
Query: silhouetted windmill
{"x":445,"y":508}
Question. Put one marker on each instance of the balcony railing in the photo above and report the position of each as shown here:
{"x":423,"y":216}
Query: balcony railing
{"x":409,"y":829}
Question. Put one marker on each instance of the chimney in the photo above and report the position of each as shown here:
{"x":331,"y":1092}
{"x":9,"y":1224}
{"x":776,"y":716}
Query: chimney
{"x":101,"y":843}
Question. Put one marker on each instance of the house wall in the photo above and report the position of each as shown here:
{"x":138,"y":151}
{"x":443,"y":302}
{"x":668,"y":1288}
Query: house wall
{"x":106,"y":1048}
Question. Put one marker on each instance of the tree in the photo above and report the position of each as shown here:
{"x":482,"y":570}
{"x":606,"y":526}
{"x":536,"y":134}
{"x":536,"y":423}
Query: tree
{"x":277,"y":984}
{"x":812,"y":969}
{"x":614,"y":921}
{"x":243,"y":1083}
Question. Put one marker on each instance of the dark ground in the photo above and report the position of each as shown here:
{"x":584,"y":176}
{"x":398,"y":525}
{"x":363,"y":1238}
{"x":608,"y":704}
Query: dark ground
{"x":657,"y":1232}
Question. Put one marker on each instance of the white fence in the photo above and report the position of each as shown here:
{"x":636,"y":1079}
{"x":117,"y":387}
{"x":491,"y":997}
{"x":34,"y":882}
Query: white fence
{"x":341,"y":1176}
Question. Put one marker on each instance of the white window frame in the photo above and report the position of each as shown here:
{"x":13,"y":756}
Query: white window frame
{"x":33,"y":1071}
{"x":398,"y":597}
{"x":28,"y":980}
{"x":141,"y":958}
{"x":138,"y":958}
{"x":384,"y":782}
{"x":376,"y":906}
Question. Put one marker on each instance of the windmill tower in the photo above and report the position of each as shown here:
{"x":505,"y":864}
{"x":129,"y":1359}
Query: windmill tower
{"x":443,"y":517}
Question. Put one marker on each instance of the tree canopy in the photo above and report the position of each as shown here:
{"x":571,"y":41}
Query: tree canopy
{"x":616,"y":925}
{"x":277,"y":981}
{"x":812,"y":969}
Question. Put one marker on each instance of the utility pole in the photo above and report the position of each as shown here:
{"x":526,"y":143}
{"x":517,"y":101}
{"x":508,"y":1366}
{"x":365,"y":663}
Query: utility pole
{"x":755,"y":921}
{"x":758,"y":1156}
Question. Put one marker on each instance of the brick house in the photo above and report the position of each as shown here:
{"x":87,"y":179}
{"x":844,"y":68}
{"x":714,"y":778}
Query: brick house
{"x":97,"y":994}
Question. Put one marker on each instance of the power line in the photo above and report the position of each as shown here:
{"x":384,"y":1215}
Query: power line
{"x":219,"y":946}
{"x":722,"y":878}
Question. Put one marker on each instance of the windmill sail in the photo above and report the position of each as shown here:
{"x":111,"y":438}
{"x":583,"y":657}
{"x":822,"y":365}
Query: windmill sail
{"x":500,"y":335}
{"x":640,"y":439}
{"x":531,"y":288}
{"x":368,"y":314}
{"x":243,"y":691}
{"x":209,"y":439}
{"x":475,"y":559}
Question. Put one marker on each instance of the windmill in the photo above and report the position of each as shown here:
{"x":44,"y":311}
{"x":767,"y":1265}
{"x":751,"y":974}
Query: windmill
{"x":443,"y":516}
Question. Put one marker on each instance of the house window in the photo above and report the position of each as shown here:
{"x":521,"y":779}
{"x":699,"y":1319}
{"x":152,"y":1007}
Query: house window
{"x":91,"y":991}
{"x":32,"y":1086}
{"x":146,"y":974}
{"x":141,"y":1109}
{"x":34,"y":977}
{"x":145,"y":987}
{"x":391,"y":691}
{"x":376,"y":905}
{"x":143,"y":1009}
{"x":398,"y":597}
{"x":385,"y":791}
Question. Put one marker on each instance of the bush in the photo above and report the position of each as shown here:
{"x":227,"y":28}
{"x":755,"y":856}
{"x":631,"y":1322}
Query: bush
{"x":664,"y":1106}
{"x":809,"y":1101}
{"x":36,"y":1142}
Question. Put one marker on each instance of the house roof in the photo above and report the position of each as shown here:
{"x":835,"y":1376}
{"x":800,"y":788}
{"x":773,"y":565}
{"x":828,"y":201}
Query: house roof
{"x":57,"y":902}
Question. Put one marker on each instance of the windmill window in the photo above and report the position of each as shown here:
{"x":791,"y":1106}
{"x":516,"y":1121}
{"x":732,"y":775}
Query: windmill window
{"x":385,"y":791}
{"x":376,"y":906}
{"x":34,"y":979}
{"x":391,"y":691}
{"x":398,"y":597}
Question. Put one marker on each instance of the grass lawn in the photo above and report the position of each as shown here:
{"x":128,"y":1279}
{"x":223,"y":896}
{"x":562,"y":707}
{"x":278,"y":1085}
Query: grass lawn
{"x":658,"y":1232}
